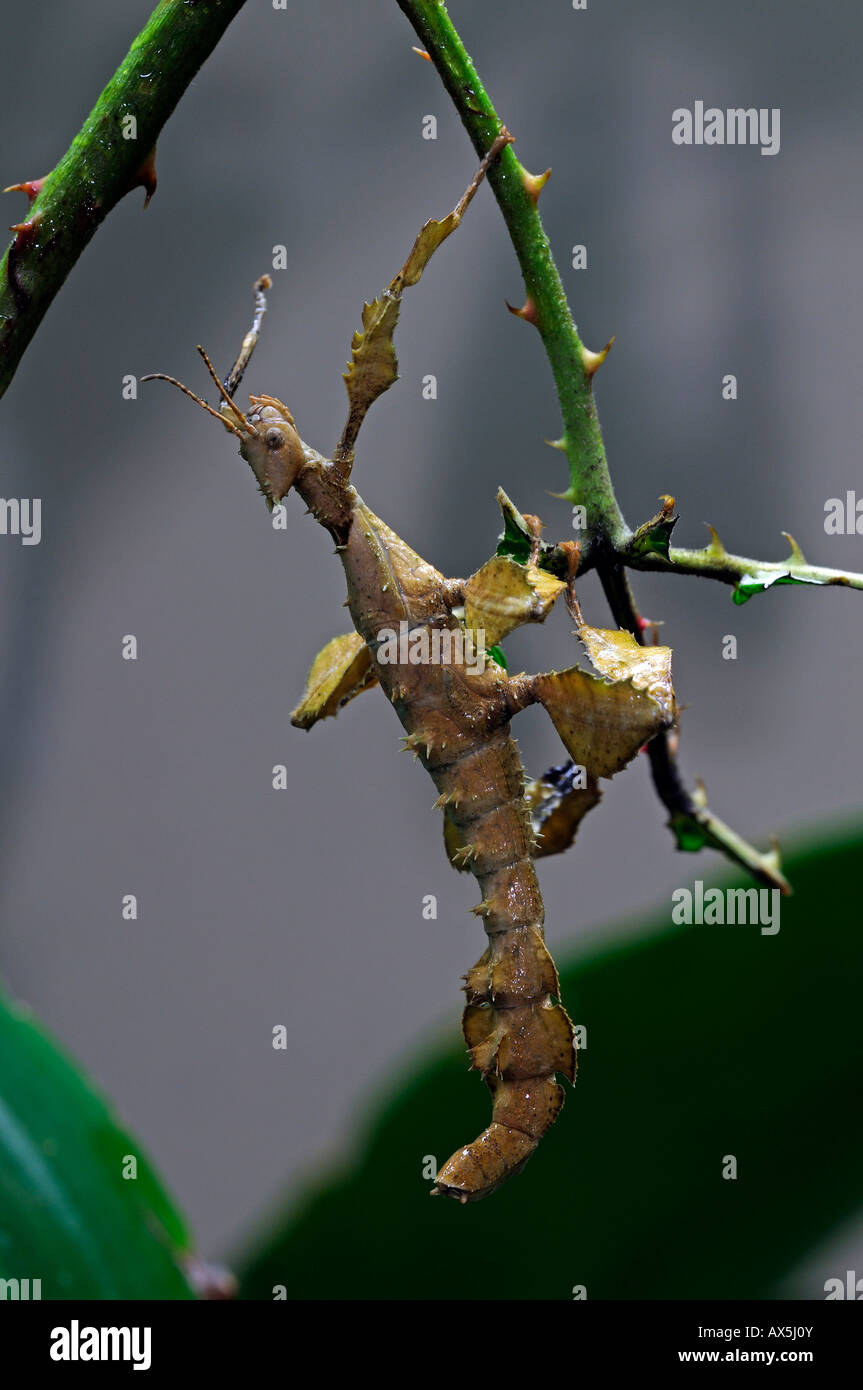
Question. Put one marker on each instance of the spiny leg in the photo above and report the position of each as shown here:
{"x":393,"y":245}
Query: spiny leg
{"x":374,"y":367}
{"x":250,"y":342}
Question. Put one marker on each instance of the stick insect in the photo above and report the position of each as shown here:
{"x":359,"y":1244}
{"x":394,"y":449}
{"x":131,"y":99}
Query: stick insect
{"x":456,"y":713}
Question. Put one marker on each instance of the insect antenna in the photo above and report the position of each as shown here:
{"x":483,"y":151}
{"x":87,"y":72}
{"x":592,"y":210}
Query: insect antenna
{"x":244,"y":423}
{"x":161,"y":376}
{"x":239,"y":424}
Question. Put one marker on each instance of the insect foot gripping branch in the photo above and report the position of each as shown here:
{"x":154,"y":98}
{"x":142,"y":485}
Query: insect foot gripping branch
{"x":456,"y":709}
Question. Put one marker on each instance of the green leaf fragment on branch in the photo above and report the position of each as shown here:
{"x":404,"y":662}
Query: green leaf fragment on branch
{"x":757,"y":583}
{"x":699,"y":830}
{"x":517,"y":542}
{"x":689,"y":834}
{"x":653,"y":537}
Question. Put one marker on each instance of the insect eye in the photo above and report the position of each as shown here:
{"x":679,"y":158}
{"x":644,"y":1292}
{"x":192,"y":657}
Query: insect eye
{"x":274,"y":439}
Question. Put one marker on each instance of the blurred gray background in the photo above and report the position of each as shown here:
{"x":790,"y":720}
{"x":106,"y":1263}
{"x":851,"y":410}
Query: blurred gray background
{"x":304,"y":908}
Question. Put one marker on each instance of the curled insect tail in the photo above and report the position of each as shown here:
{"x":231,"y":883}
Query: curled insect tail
{"x":519,"y":1037}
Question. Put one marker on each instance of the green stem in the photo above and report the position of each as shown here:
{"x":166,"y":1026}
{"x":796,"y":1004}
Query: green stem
{"x":103,"y":162}
{"x":608,"y":540}
{"x":715,"y":563}
{"x":590,"y":481}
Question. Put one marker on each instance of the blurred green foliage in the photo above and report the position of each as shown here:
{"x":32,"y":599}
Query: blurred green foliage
{"x":68,"y":1216}
{"x":702,"y":1042}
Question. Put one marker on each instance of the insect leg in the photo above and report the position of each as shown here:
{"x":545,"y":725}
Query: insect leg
{"x":373,"y":366}
{"x":235,"y":375}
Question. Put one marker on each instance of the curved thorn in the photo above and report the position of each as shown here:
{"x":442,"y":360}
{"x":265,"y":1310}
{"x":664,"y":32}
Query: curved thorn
{"x":593,"y":360}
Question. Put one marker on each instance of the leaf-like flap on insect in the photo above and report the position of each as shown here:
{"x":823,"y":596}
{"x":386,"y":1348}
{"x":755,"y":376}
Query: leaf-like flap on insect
{"x":604,"y":720}
{"x":557,"y":803}
{"x":339,"y":672}
{"x":618,"y":657}
{"x":503,"y":595}
{"x":431,"y":234}
{"x":533,"y":1039}
{"x":602,"y":725}
{"x":374,"y":366}
{"x":514,"y":964}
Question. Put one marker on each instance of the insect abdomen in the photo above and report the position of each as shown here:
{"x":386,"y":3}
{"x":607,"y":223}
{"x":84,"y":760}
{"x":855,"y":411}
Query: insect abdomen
{"x":517,"y":1033}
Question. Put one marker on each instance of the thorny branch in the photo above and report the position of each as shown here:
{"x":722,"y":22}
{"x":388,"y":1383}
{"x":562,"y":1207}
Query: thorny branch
{"x":111,"y":154}
{"x":747,"y":576}
{"x":103,"y":163}
{"x":608,"y":544}
{"x":517,"y":192}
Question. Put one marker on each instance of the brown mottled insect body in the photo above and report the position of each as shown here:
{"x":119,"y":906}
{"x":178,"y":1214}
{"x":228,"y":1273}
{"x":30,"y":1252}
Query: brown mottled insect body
{"x":456,"y":716}
{"x":458,"y":724}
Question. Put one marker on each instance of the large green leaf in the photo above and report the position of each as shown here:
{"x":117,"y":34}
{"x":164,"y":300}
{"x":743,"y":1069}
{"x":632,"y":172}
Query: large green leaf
{"x":68,"y":1216}
{"x":702,"y":1042}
